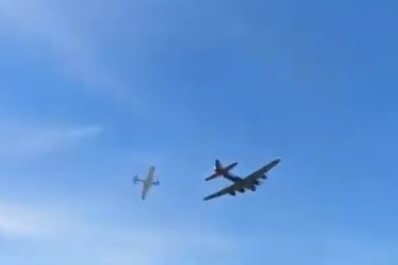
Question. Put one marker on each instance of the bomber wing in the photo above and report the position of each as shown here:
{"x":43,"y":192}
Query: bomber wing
{"x":262,"y":171}
{"x":228,"y":190}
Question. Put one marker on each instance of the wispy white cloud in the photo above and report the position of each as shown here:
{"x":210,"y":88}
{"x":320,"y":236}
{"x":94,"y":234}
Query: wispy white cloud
{"x":57,"y":28}
{"x":21,"y":139}
{"x":19,"y":221}
{"x":156,"y":244}
{"x":76,"y":239}
{"x":105,"y":244}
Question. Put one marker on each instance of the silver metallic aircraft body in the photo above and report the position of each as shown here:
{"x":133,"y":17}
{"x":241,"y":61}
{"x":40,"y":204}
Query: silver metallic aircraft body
{"x":148,"y":182}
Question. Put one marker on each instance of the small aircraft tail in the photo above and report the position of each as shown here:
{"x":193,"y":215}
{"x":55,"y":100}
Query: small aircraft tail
{"x":136,"y":180}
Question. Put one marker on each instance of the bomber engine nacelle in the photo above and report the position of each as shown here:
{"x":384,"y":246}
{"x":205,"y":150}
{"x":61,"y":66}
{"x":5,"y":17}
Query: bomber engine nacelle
{"x":233,"y":193}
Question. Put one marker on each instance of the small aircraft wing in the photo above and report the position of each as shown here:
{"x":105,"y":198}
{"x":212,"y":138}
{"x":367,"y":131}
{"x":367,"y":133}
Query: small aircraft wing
{"x":148,"y":182}
{"x":145,"y":190}
{"x":151,"y":175}
{"x":230,"y":189}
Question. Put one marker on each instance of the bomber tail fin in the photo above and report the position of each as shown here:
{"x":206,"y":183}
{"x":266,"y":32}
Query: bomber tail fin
{"x":218,"y":164}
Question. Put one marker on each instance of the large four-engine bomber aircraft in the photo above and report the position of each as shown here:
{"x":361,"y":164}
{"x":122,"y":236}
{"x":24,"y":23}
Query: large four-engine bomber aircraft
{"x":148,"y":182}
{"x":249,"y":182}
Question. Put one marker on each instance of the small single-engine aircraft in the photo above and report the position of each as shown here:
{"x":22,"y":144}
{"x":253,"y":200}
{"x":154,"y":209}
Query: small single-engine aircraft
{"x":219,"y":170}
{"x":241,"y":184}
{"x":147,"y":183}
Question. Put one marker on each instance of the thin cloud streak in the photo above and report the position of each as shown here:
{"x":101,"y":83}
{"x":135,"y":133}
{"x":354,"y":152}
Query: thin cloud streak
{"x":107,"y":244}
{"x":21,"y":222}
{"x":47,"y":23}
{"x":22,"y":140}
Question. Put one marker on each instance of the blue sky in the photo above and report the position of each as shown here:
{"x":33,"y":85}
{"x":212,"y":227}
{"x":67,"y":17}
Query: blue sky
{"x":94,"y":92}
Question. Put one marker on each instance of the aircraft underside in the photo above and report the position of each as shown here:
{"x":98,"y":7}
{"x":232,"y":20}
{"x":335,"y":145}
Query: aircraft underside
{"x":240,"y":184}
